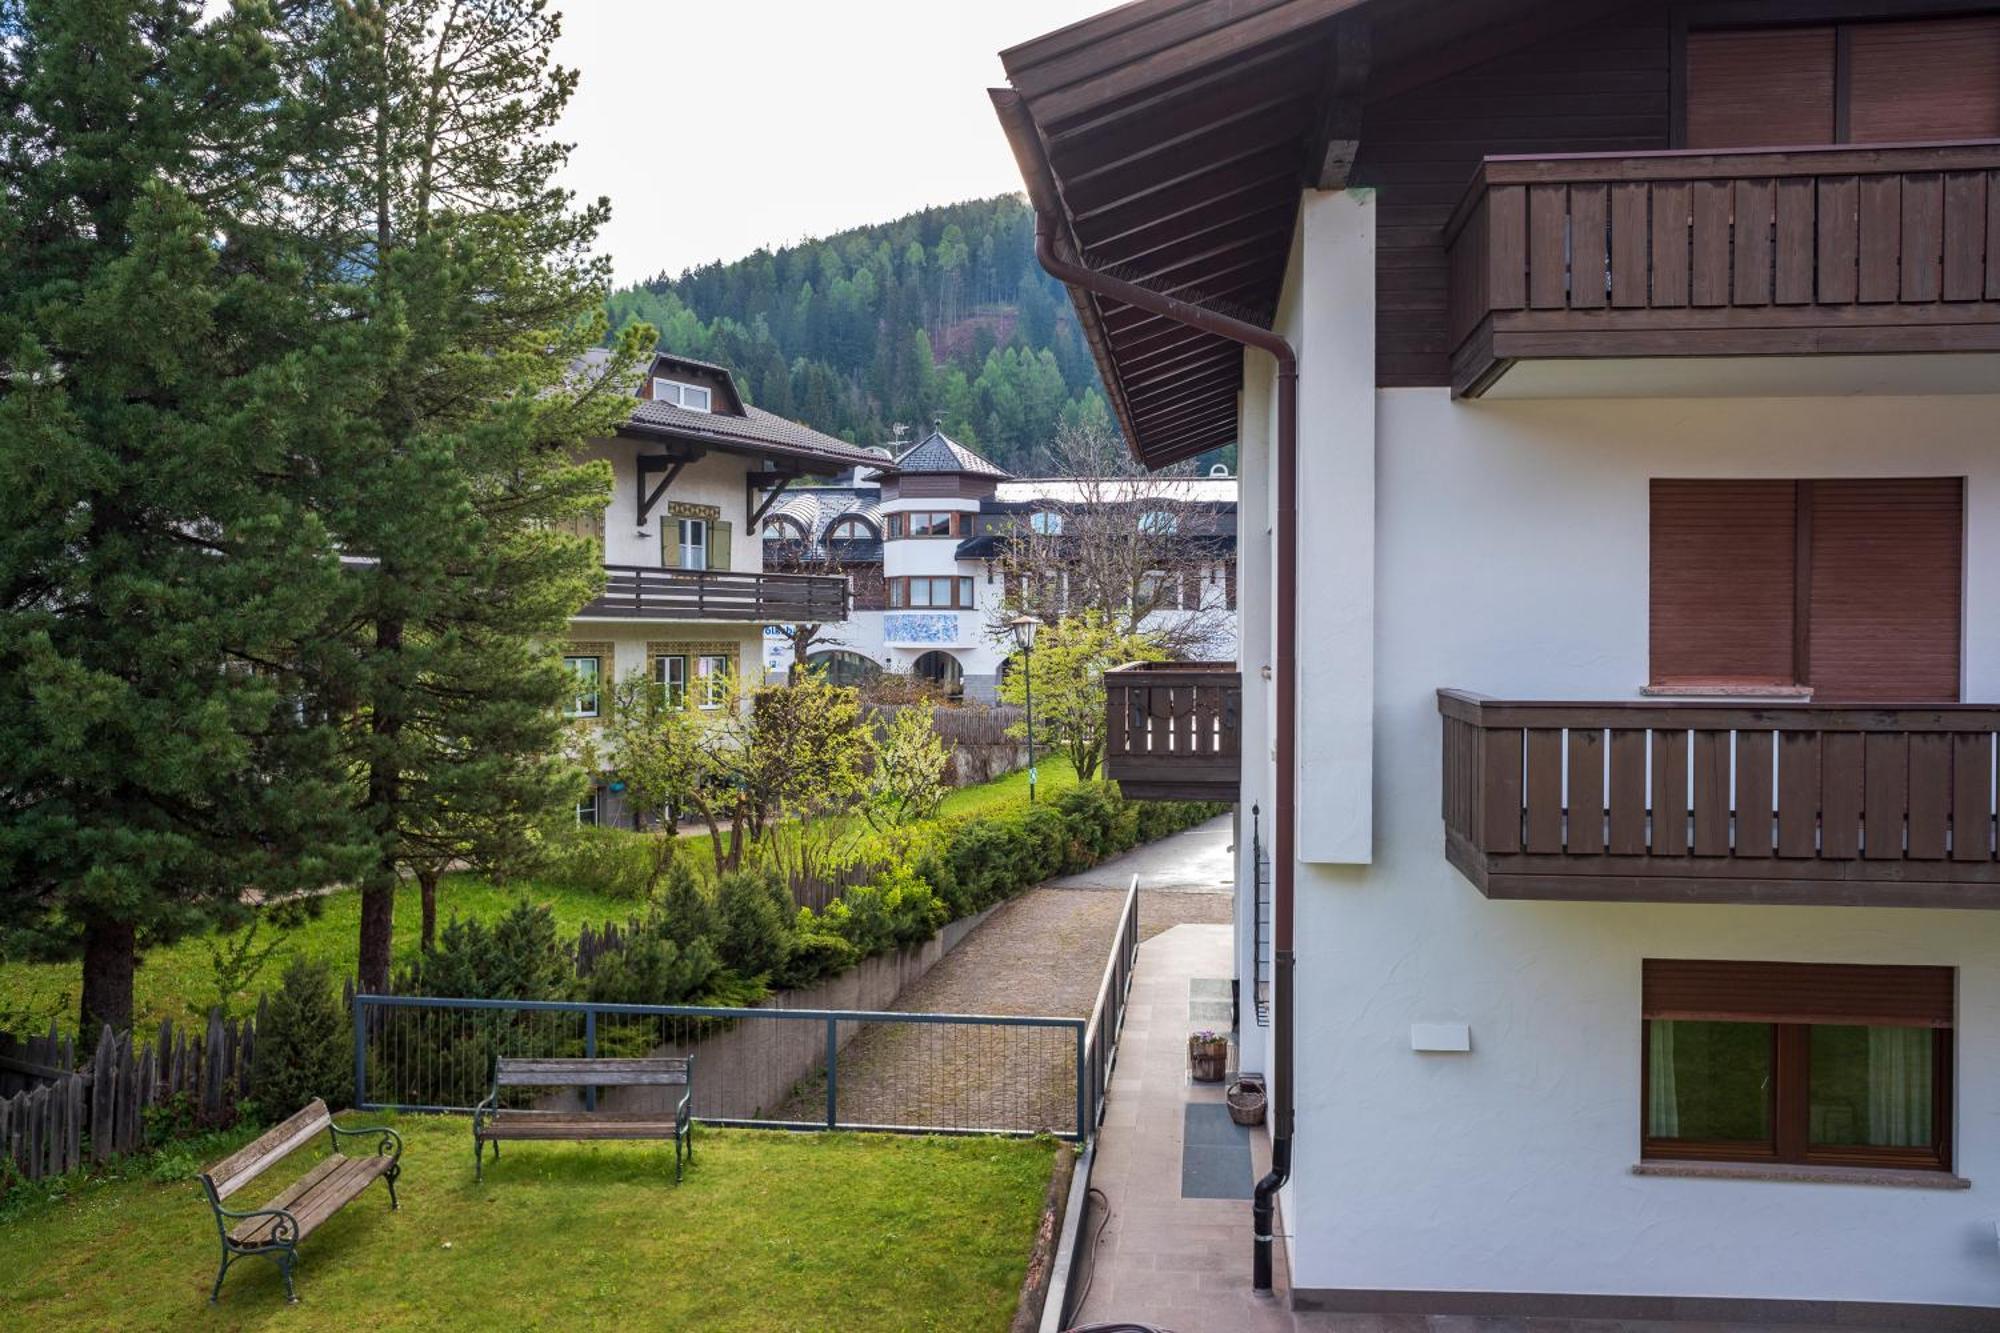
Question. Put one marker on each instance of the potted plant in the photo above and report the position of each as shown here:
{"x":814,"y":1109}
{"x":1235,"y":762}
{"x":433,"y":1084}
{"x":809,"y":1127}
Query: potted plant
{"x":1208,"y":1055}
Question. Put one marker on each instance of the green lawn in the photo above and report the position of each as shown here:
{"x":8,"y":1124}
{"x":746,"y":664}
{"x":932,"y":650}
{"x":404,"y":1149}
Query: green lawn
{"x":1054,"y":773}
{"x":769,"y":1232}
{"x":178,"y":982}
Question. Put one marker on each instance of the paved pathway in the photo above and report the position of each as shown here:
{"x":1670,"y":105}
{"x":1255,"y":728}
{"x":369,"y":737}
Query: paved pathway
{"x":1198,"y":860}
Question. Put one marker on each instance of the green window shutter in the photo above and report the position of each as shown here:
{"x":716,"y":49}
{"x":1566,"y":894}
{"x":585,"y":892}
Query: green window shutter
{"x":718,"y":545}
{"x":670,"y":543}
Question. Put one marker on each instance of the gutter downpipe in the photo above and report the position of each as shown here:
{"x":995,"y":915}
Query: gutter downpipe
{"x":1026,"y":140}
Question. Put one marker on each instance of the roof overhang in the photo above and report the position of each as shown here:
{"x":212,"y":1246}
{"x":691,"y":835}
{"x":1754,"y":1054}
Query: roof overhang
{"x":790,"y":458}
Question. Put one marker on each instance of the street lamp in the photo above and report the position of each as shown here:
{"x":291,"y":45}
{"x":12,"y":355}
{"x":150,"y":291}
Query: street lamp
{"x":1023,"y":628}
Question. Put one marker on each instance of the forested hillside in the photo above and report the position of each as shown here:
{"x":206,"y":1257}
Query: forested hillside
{"x":943,"y":314}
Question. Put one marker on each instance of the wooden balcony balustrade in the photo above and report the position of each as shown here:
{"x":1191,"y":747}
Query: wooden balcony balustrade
{"x":1174,"y":731}
{"x":645,"y":593}
{"x":1755,"y":253}
{"x":1697,"y":802}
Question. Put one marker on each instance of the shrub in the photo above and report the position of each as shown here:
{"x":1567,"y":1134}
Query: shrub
{"x":654,"y":970}
{"x":305,"y":1048}
{"x":897,"y":909}
{"x":1044,"y":844}
{"x":816,"y":952}
{"x":754,"y":912}
{"x":1098,"y":822}
{"x":685,"y":910}
{"x":518,"y":957}
{"x":616,"y":863}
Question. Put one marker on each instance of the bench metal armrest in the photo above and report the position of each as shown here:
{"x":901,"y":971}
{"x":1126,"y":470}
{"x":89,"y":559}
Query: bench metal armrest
{"x":485,"y":1111}
{"x":284,"y":1233}
{"x":389,"y":1141}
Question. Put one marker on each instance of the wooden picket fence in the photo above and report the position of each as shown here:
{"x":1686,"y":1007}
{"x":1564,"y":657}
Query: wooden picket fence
{"x":61,"y":1114}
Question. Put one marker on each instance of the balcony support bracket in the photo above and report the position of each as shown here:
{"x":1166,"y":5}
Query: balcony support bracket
{"x":771,"y":498}
{"x":648,"y":465}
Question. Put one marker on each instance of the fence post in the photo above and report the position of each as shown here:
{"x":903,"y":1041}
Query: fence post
{"x":590,"y":1053}
{"x":832,"y":1072}
{"x":360,"y":1057}
{"x":1084,"y":1093}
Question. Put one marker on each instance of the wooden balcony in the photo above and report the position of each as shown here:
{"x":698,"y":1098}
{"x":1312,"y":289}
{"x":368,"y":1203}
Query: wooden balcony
{"x":1807,"y":804}
{"x":1175,"y":730}
{"x":638,"y":592}
{"x":1773,"y":254}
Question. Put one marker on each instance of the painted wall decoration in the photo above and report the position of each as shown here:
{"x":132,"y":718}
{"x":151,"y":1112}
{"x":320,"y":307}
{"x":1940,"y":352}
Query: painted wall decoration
{"x":919,"y":627}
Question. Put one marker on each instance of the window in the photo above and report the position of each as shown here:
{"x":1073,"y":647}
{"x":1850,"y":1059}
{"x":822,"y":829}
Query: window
{"x":924,"y":523}
{"x":690,"y":543}
{"x":1159,"y":523}
{"x":693,"y":397}
{"x":586,"y":809}
{"x":932,"y":593}
{"x":1849,"y":83}
{"x":852,"y":528}
{"x":671,"y":673}
{"x":712,"y":681}
{"x":1832,"y":1064}
{"x":588,"y":671}
{"x":1850,"y":588}
{"x":1048,"y":524}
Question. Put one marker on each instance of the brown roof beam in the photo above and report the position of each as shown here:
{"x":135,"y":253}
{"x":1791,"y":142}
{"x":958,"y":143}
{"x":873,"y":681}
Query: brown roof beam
{"x":1169,"y":396}
{"x":1254,"y":218}
{"x":1336,"y":139}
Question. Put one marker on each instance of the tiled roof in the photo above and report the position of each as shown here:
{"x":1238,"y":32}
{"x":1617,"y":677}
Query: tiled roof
{"x":817,"y":508}
{"x":938,"y":452}
{"x":757,"y":432}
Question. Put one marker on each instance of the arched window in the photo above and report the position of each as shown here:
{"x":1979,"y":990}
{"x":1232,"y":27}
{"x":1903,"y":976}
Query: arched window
{"x":852,"y":528}
{"x":941,"y":669}
{"x":783,"y":527}
{"x":842,"y":667}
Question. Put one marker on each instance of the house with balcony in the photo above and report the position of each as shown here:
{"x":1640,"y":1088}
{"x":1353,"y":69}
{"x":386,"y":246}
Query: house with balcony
{"x":930,"y":544}
{"x":696,"y":471}
{"x":1616,"y":395}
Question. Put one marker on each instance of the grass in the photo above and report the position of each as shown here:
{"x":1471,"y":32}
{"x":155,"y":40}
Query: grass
{"x":178,"y":981}
{"x":770,"y":1231}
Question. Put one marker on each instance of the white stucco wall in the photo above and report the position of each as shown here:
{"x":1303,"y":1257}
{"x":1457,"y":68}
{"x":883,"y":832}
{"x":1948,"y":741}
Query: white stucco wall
{"x":717,"y":479}
{"x":1512,"y":559}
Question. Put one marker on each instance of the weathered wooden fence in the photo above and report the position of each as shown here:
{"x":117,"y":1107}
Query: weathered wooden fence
{"x":61,"y":1114}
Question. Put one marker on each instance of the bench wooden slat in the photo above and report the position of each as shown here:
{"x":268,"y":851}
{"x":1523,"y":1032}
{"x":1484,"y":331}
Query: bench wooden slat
{"x":581,"y":1127}
{"x":515,"y":1073}
{"x":244,"y":1165}
{"x":316,"y":1196}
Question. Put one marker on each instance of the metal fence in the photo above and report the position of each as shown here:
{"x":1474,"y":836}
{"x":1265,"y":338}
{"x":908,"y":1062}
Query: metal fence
{"x":754,"y":1068}
{"x":1107,"y":1016}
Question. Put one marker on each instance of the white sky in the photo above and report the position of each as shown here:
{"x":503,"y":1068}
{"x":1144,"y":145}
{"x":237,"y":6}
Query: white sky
{"x":716,"y":127}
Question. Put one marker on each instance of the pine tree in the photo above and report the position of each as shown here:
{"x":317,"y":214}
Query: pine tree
{"x":156,"y":583}
{"x":450,"y":470}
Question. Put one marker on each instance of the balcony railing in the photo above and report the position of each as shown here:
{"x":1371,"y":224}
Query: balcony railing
{"x":641,"y":592}
{"x":1698,"y":802}
{"x":1174,"y":731}
{"x":1761,"y":253}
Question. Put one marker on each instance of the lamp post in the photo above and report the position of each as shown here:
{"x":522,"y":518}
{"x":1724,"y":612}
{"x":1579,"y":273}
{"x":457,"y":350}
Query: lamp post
{"x":1023,"y":628}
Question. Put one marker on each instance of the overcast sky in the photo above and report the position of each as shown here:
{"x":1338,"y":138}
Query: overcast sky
{"x":716,"y":126}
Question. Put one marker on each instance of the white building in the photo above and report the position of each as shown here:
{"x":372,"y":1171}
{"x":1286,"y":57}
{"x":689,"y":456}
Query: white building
{"x":924,"y":547}
{"x":687,"y":598}
{"x":1621,"y":621}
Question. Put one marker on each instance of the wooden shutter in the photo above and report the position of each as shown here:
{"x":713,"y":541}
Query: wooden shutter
{"x":1841,"y":993}
{"x":1886,"y":580}
{"x":670,"y":543}
{"x":1760,"y":87}
{"x":1722,"y":584}
{"x":718,"y":545}
{"x":1933,"y":79}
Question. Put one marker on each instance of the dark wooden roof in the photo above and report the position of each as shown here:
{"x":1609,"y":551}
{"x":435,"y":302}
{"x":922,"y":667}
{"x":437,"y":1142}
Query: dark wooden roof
{"x":1178,"y":135}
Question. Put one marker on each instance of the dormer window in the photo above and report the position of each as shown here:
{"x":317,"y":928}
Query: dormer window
{"x":693,"y":397}
{"x":1046,"y":523}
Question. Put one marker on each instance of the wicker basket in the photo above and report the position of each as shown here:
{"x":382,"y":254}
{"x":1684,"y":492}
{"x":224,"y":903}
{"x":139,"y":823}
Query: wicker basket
{"x":1246,"y":1102}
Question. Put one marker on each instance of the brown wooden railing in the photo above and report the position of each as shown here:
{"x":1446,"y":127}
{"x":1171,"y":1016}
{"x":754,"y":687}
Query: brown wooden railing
{"x":1701,"y":802}
{"x":719,"y":594}
{"x":1174,"y":730}
{"x":1766,"y":252}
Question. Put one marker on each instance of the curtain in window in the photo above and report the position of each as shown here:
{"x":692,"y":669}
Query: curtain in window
{"x":1663,"y":1112}
{"x":1899,"y":1087}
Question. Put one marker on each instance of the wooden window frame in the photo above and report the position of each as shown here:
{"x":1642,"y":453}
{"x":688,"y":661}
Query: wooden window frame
{"x":592,"y":804}
{"x":574,"y":708}
{"x":1843,"y":16}
{"x":713,"y":686}
{"x":663,"y":678}
{"x":903,"y":525}
{"x":1790,"y":1106}
{"x":964,"y":594}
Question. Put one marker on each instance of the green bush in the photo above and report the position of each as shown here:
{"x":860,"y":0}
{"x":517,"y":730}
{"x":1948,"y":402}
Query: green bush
{"x":898,"y":909}
{"x":1100,"y":824}
{"x":653,"y":970}
{"x":754,"y":912}
{"x":685,"y":908}
{"x":305,"y":1045}
{"x":816,"y":952}
{"x":518,"y":957}
{"x":616,"y":863}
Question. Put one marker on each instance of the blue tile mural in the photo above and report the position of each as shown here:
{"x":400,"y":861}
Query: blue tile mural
{"x":918,"y":627}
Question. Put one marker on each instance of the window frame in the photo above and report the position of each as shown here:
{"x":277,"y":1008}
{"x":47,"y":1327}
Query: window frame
{"x":590,"y":804}
{"x":904,"y":524}
{"x":961,"y":592}
{"x":694,"y":556}
{"x":1790,"y":1104}
{"x":713,"y":685}
{"x":674,"y":694}
{"x":575,"y":708}
{"x":683,"y":394}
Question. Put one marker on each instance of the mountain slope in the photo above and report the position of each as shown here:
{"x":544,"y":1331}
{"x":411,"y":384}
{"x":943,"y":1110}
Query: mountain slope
{"x":942,"y":315}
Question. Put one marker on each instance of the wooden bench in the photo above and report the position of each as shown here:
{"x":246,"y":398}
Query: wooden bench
{"x":276,"y":1229}
{"x":491,"y":1122}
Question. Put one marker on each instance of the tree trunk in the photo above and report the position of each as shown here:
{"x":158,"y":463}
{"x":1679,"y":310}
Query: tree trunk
{"x":378,"y":916}
{"x":110,"y":957}
{"x":427,"y":884}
